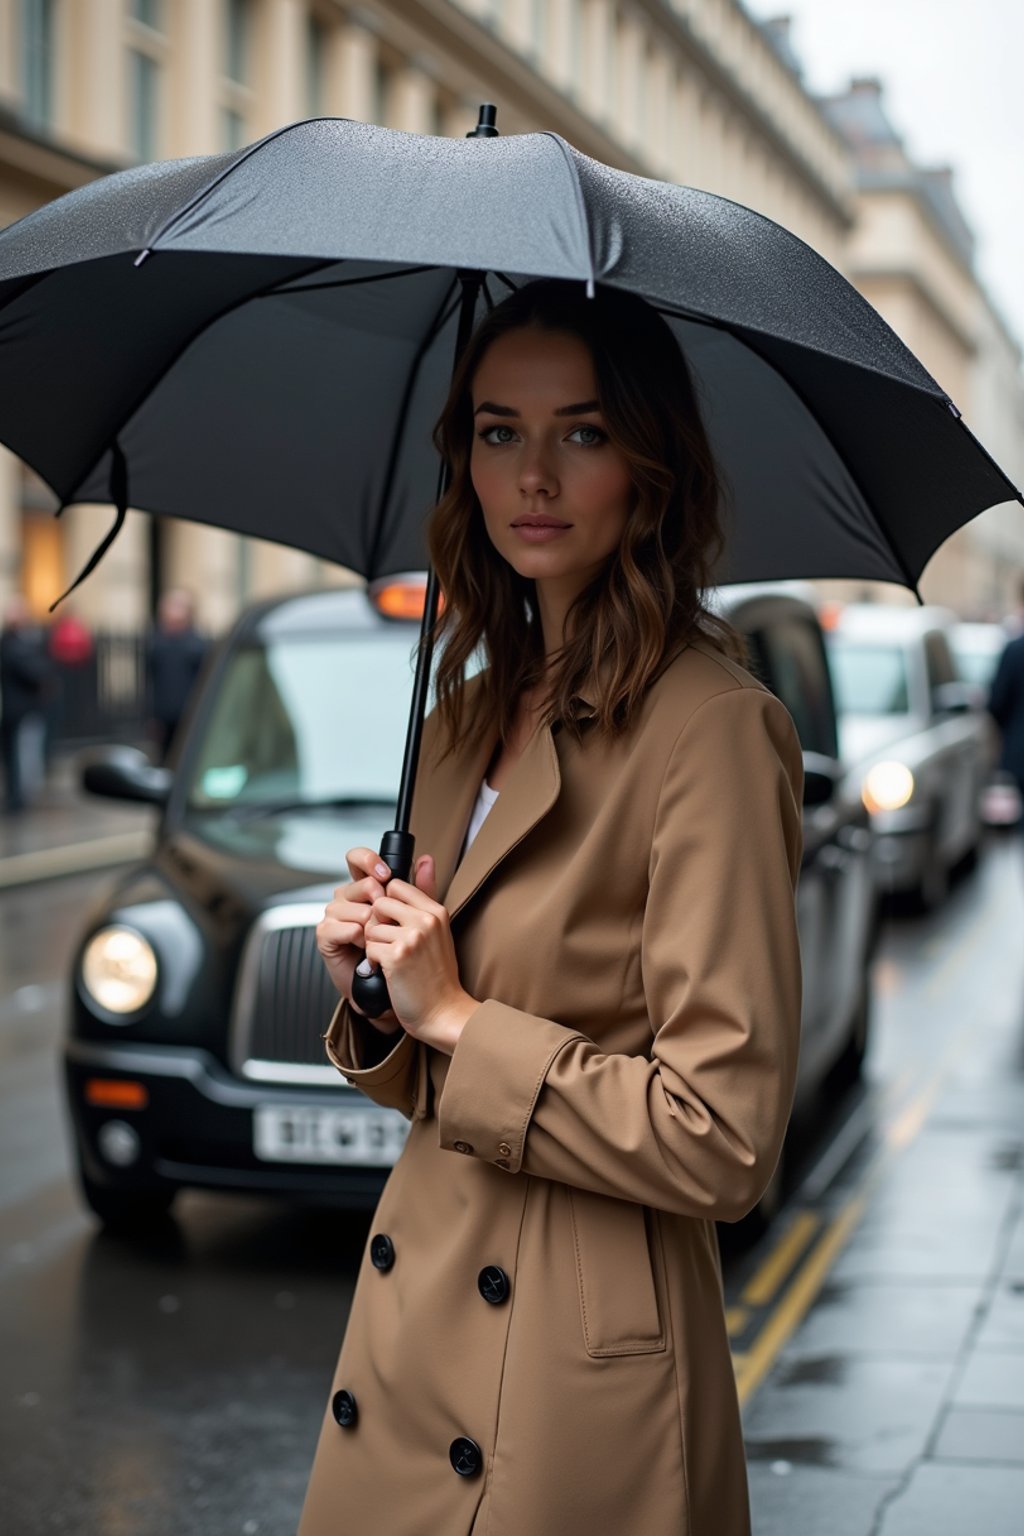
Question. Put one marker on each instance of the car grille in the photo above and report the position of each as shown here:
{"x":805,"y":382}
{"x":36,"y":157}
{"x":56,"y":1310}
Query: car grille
{"x":283,"y":1001}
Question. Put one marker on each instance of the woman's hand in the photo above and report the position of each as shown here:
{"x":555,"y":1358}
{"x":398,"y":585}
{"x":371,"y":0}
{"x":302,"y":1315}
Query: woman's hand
{"x":340,"y":934}
{"x":409,"y":936}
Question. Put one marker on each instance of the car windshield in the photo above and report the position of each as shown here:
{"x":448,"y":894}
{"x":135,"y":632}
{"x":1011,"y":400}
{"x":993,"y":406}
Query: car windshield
{"x":306,"y":719}
{"x":870,"y":678}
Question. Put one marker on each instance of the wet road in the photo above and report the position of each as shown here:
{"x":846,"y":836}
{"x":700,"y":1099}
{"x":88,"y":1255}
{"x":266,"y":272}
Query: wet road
{"x":177,"y":1384}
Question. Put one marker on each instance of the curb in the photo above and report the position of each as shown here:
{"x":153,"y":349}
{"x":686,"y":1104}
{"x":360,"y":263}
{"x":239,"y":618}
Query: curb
{"x":74,"y":858}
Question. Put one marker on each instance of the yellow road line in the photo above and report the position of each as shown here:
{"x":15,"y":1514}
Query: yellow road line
{"x":761,"y":1287}
{"x":752,"y":1367}
{"x":736,"y":1319}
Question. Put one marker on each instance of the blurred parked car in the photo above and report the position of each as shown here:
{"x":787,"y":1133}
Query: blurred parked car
{"x":913,"y":734}
{"x":976,"y":652}
{"x":198,"y":999}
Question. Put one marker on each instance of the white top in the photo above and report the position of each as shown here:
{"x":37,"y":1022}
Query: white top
{"x":484,"y":800}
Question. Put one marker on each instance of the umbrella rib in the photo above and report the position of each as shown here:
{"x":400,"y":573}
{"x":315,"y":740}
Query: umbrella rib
{"x":442,"y":315}
{"x":897,"y":556}
{"x":348,"y":282}
{"x":937,"y":393}
{"x":581,"y":204}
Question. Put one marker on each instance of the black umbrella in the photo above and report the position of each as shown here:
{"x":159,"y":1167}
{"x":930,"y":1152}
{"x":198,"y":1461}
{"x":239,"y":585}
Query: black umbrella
{"x":263,"y":340}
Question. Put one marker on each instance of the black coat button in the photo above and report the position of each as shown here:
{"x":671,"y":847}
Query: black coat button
{"x":493,"y":1285}
{"x":465,"y":1456}
{"x":343,"y":1406}
{"x":382,"y":1252}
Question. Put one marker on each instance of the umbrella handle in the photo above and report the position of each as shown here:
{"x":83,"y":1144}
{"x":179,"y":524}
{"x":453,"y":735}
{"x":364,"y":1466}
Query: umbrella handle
{"x":370,"y":991}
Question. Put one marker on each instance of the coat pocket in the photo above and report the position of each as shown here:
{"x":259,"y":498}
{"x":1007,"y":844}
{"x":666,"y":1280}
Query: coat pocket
{"x":618,"y":1294}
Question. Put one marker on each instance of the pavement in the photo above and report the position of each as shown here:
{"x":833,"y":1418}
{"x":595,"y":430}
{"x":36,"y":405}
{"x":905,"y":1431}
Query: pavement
{"x":891,"y":1398}
{"x":65,"y":831}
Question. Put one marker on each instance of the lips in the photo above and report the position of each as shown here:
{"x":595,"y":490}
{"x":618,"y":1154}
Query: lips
{"x":539,"y":522}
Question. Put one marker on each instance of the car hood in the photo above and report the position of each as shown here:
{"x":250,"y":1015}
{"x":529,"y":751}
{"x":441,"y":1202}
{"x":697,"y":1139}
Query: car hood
{"x":257,"y":859}
{"x":863,"y":736}
{"x":286,"y":850}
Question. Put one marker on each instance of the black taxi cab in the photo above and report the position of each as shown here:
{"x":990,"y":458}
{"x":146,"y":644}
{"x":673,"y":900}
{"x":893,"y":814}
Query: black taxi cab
{"x":194,"y":1056}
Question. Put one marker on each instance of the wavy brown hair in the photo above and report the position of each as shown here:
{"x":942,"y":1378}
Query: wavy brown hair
{"x":647,"y":602}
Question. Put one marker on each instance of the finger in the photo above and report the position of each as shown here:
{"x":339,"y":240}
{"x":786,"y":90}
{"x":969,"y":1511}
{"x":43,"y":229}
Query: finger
{"x":348,"y":912}
{"x":332,"y":934}
{"x":363,"y":861}
{"x":359,"y":890}
{"x":426,"y":876}
{"x":383,"y":933}
{"x":407,"y":893}
{"x":404,"y":913}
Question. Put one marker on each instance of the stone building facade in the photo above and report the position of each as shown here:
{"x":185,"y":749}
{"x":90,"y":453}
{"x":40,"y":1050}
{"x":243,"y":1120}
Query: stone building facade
{"x":911,"y":253}
{"x":693,"y":91}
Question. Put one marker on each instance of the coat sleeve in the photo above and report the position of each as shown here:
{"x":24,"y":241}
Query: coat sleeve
{"x":395,"y":1078}
{"x":696,"y":1127}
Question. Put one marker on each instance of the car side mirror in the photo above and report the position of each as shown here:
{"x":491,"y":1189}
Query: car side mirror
{"x":821,"y":778}
{"x":954,"y":698}
{"x":124,"y":773}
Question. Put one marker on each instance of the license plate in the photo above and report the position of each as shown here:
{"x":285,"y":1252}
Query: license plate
{"x":370,"y":1138}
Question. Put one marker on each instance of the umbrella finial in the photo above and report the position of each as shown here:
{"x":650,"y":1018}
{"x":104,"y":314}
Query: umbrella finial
{"x":485,"y":128}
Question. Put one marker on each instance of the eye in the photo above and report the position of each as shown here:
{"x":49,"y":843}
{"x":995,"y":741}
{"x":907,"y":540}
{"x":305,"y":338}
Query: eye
{"x":598,"y":438}
{"x":485,"y":434}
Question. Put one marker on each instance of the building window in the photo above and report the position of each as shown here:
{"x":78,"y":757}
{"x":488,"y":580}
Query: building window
{"x":316,"y":75}
{"x":233,"y":129}
{"x":37,"y":49}
{"x":149,"y":12}
{"x":237,"y":40}
{"x":143,"y":103}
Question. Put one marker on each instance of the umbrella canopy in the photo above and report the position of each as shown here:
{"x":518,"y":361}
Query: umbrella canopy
{"x":263,"y":340}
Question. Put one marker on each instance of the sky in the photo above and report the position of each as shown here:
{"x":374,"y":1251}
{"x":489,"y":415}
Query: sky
{"x":951,"y":75}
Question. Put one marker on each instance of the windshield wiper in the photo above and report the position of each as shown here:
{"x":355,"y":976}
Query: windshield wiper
{"x":256,"y":808}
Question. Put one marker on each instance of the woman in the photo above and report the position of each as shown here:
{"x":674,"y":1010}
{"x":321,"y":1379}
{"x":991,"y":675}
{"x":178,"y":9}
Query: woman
{"x":596,"y":1010}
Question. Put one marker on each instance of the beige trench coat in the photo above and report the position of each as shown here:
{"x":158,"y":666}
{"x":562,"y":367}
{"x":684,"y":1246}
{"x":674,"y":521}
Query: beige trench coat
{"x":626,"y":916}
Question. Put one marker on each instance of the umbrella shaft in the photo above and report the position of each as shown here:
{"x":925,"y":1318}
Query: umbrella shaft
{"x":467,"y":313}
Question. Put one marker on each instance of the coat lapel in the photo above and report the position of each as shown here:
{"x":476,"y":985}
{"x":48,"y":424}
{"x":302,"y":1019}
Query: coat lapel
{"x":446,"y":794}
{"x":529,"y":793}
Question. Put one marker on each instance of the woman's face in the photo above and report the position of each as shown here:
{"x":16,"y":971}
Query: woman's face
{"x":541,"y":451}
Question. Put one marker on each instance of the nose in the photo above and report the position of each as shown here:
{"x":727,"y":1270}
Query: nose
{"x":535,"y":473}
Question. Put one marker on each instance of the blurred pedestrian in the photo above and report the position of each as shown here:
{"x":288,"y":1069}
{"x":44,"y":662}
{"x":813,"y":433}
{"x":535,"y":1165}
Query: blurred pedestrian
{"x":174,"y":655}
{"x":70,"y":646}
{"x":1006,"y":704}
{"x":26,"y":675}
{"x":70,"y":639}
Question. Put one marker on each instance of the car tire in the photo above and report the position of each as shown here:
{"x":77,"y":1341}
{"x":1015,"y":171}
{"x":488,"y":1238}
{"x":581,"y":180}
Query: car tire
{"x":127,"y":1210}
{"x":933,"y":886}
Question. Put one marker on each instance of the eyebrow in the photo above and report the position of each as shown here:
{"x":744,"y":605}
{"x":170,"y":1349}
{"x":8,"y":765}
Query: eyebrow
{"x":563,"y":410}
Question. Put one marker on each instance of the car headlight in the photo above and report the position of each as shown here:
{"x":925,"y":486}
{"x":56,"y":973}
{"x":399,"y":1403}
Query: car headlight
{"x":887,"y":786}
{"x":119,"y":969}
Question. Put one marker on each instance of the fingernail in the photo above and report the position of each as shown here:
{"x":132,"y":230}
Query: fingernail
{"x":382,"y":870}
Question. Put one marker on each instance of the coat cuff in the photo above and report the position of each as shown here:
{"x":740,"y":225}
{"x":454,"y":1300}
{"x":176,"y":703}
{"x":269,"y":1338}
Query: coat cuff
{"x":496,"y":1073}
{"x":344,"y":1043}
